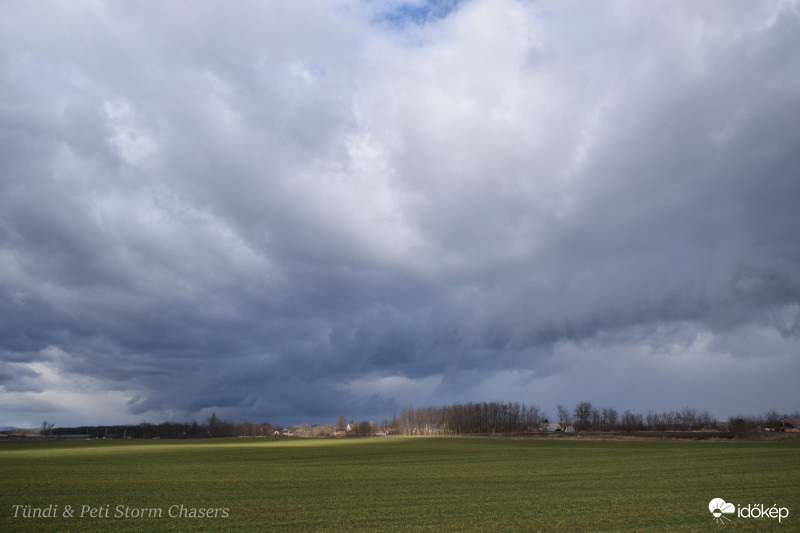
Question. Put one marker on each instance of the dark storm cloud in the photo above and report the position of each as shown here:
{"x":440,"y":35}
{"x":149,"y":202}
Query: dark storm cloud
{"x":287,"y":211}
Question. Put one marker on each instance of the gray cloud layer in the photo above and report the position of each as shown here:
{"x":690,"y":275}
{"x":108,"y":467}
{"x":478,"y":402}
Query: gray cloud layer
{"x":285,"y":211}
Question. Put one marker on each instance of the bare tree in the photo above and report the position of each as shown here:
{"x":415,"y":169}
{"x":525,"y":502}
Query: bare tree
{"x":631,"y":421}
{"x":596,"y":418}
{"x":772,"y":419}
{"x":563,"y":414}
{"x":688,"y":418}
{"x":535,"y":416}
{"x":583,"y":414}
{"x":47,"y":427}
{"x":364,"y":428}
{"x":610,"y":417}
{"x":705,"y":420}
{"x":743,"y":425}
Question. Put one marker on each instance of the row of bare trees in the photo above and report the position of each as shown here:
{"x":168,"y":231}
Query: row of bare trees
{"x":513,"y":417}
{"x":588,"y":417}
{"x":472,"y":417}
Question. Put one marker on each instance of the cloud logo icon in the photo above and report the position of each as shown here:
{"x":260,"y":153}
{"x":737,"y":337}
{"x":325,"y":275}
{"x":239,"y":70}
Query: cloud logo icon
{"x":720,"y":507}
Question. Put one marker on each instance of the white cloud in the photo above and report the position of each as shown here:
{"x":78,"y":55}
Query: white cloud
{"x":62,"y":396}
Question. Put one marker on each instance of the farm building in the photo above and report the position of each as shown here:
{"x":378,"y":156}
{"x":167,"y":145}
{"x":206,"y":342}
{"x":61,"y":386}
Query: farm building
{"x":555,"y":427}
{"x":550,"y":427}
{"x":790,"y":425}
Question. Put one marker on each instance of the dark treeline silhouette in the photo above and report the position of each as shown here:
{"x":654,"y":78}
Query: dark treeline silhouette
{"x":213,"y":427}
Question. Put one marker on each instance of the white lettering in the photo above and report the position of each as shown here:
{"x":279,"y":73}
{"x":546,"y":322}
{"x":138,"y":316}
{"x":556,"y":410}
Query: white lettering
{"x":757,"y":510}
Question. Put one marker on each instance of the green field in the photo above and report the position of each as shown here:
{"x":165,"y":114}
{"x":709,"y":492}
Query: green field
{"x":402,"y":484}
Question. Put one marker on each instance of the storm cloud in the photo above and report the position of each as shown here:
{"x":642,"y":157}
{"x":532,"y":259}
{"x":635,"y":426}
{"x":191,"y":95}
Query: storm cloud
{"x":283,"y":211}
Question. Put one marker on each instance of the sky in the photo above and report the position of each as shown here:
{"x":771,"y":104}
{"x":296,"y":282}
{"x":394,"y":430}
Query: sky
{"x":286,"y":211}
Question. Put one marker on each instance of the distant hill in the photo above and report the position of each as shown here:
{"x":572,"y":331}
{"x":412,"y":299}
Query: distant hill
{"x":7,"y":428}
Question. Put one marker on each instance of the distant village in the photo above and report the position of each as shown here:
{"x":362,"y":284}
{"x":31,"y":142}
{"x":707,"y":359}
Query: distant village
{"x":474,"y":418}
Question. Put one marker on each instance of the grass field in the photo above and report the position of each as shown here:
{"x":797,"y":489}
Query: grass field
{"x":396,"y":484}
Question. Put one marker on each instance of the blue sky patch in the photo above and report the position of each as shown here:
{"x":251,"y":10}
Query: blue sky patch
{"x":418,"y":13}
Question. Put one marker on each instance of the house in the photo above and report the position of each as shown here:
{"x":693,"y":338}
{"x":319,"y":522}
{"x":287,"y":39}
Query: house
{"x":556,"y":427}
{"x":790,"y":425}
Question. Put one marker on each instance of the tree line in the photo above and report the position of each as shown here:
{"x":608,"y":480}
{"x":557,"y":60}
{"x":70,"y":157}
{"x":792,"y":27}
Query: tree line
{"x":457,"y":419}
{"x":212,"y":427}
{"x":513,"y":417}
{"x":467,"y":418}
